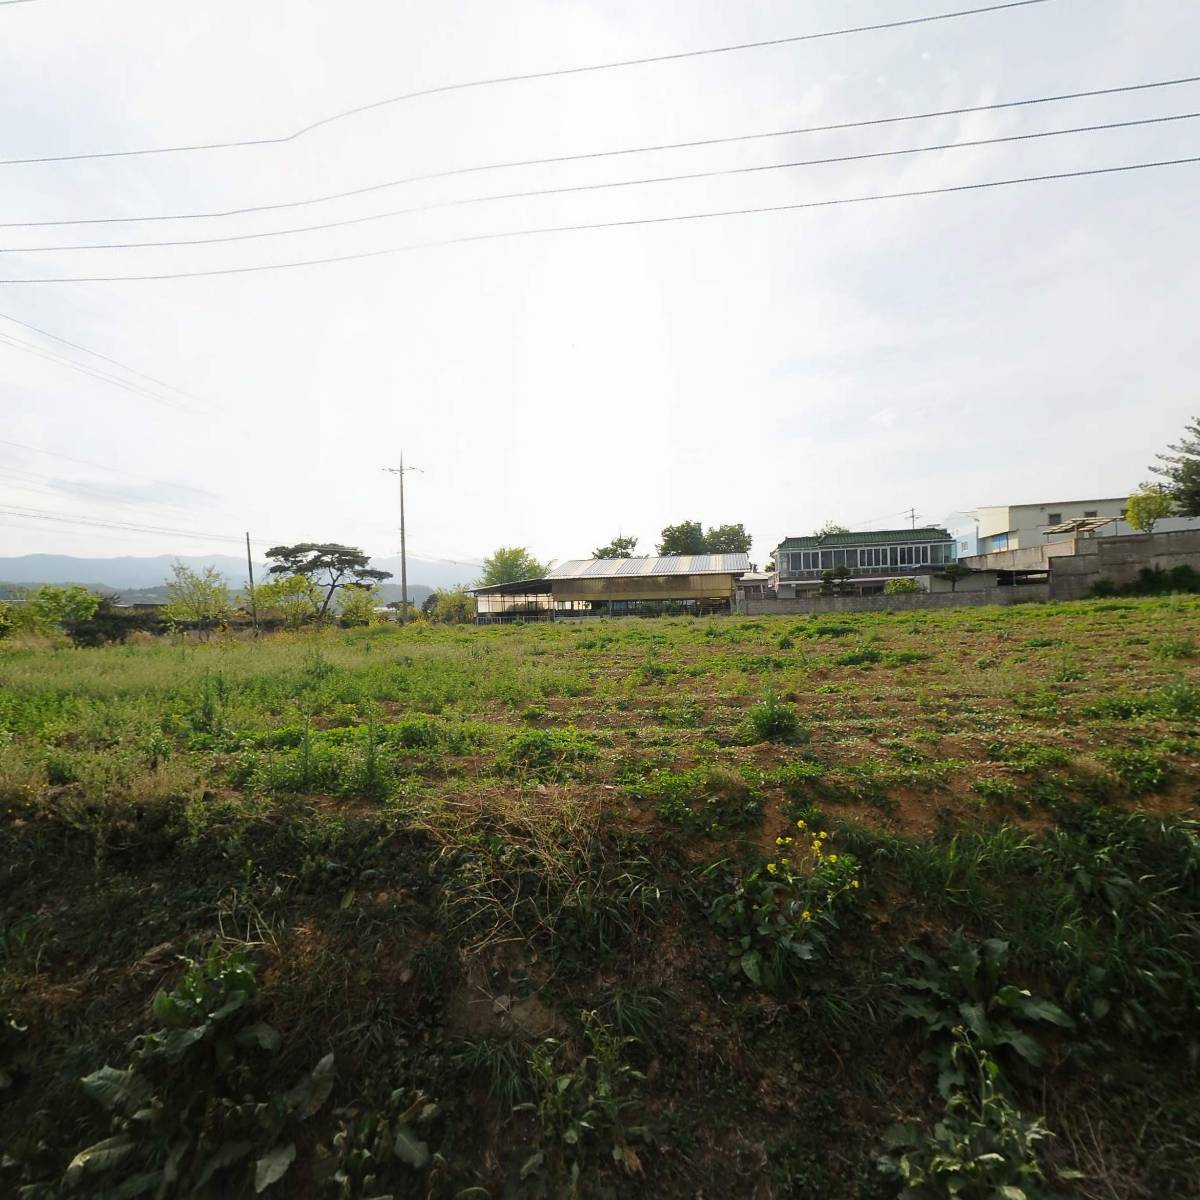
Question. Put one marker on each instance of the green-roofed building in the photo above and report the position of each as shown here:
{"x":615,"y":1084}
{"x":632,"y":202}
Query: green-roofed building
{"x":870,"y":559}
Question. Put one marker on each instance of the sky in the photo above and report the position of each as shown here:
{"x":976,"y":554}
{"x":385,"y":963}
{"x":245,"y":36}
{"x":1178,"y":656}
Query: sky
{"x":847,"y":363}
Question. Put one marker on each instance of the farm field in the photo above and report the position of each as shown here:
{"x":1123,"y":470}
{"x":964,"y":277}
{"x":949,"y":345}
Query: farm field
{"x":818,"y":907}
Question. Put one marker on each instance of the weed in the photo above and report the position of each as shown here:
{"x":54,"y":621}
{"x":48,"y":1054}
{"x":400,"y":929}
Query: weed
{"x":771,"y":720}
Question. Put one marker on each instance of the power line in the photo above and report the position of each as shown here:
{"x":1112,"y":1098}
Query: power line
{"x":528,"y":77}
{"x":87,"y":462}
{"x":621,"y":224}
{"x":54,"y":337}
{"x":593,"y":187}
{"x":54,"y":357}
{"x":597,"y":154}
{"x":36,"y":514}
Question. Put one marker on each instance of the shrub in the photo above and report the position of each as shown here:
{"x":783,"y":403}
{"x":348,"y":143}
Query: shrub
{"x":545,"y":751}
{"x":901,"y":587}
{"x":771,"y":720}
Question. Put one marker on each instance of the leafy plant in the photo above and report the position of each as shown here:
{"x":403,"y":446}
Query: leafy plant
{"x":771,"y":720}
{"x":580,"y":1104}
{"x":964,"y":989}
{"x":369,"y":1147}
{"x":188,"y":1112}
{"x":983,"y":1148}
{"x":783,"y":913}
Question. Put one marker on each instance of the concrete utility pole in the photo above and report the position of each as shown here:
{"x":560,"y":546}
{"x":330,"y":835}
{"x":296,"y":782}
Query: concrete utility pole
{"x":400,"y":470}
{"x":250,"y":572}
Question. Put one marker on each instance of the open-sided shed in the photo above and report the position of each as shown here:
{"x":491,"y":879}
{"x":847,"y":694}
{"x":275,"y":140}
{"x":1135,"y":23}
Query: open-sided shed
{"x":618,"y":586}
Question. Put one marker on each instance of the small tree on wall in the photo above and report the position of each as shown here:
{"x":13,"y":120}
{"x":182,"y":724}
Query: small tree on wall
{"x":1149,"y":506}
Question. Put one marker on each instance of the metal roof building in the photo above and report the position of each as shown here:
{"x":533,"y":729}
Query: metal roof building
{"x":686,"y":583}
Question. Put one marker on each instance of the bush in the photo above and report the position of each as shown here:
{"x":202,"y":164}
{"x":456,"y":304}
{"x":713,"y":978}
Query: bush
{"x":771,"y":720}
{"x":901,"y":587}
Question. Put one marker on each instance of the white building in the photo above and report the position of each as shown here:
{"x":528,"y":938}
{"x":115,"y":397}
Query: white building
{"x":1019,"y":526}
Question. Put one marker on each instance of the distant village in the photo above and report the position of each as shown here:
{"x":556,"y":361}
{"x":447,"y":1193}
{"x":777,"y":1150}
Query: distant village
{"x":997,"y":554}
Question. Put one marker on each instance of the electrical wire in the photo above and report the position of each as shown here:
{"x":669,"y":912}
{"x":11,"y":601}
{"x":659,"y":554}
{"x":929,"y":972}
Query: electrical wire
{"x":54,"y":337}
{"x":593,"y":187}
{"x":53,"y":356}
{"x":87,"y":462}
{"x":37,"y":514}
{"x":498,"y":80}
{"x":597,"y":154}
{"x":598,"y":225}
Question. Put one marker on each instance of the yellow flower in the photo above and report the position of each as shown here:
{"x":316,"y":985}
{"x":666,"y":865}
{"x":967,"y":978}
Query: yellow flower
{"x":801,"y":825}
{"x":779,"y":841}
{"x":771,"y":867}
{"x":817,"y":847}
{"x":833,"y":858}
{"x":806,"y":915}
{"x":854,"y":883}
{"x":822,"y":835}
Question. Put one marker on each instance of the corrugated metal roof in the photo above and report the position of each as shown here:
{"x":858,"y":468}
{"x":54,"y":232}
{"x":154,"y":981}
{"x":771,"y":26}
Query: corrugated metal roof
{"x":874,"y":537}
{"x":675,"y":564}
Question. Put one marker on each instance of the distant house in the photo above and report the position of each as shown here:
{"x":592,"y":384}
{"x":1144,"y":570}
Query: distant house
{"x":870,"y":558}
{"x":686,"y":583}
{"x":755,"y":585}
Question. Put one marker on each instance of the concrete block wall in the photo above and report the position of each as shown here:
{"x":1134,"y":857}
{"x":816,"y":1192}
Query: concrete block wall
{"x":1119,"y":559}
{"x":1031,"y":594}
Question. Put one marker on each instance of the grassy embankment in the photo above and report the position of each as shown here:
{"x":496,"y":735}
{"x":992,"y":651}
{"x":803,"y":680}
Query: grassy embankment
{"x":533,"y":891}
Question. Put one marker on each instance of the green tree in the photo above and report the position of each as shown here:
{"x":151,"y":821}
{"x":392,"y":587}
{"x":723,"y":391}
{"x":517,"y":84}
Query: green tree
{"x":833,"y":581}
{"x":685,"y":538}
{"x":452,"y":606}
{"x":954,"y":572}
{"x":197,"y":598}
{"x":511,"y":564}
{"x":727,"y":539}
{"x":358,"y":604}
{"x":64,"y":608}
{"x":1181,"y":469}
{"x":1149,"y":506}
{"x":619,"y":547}
{"x":901,"y":587}
{"x":292,"y":599}
{"x":689,"y":537}
{"x":830,"y":527}
{"x":329,"y":565}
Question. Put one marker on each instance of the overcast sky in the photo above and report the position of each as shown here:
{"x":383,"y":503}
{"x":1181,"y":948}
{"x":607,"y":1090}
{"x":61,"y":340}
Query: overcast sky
{"x":999,"y":346}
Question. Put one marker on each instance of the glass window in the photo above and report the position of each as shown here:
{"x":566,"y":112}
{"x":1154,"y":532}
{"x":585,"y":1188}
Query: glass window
{"x":1054,"y":519}
{"x":893,"y":556}
{"x":1089,"y":512}
{"x":826,"y":560}
{"x":935,"y":555}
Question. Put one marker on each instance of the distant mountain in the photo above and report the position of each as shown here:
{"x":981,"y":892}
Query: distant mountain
{"x":128,"y":572}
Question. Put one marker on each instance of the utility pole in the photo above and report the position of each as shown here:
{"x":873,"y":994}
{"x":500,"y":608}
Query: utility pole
{"x":250,"y":572}
{"x":912,"y":513}
{"x":400,"y":470}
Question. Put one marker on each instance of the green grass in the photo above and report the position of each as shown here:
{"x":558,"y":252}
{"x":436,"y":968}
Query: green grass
{"x":541,"y":892}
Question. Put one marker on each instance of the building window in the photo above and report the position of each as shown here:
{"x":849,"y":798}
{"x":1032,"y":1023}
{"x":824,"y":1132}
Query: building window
{"x":1054,"y":519}
{"x":1091,"y":512}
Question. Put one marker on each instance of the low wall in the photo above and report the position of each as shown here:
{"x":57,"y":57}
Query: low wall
{"x":1119,"y":559}
{"x":1029,"y":594}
